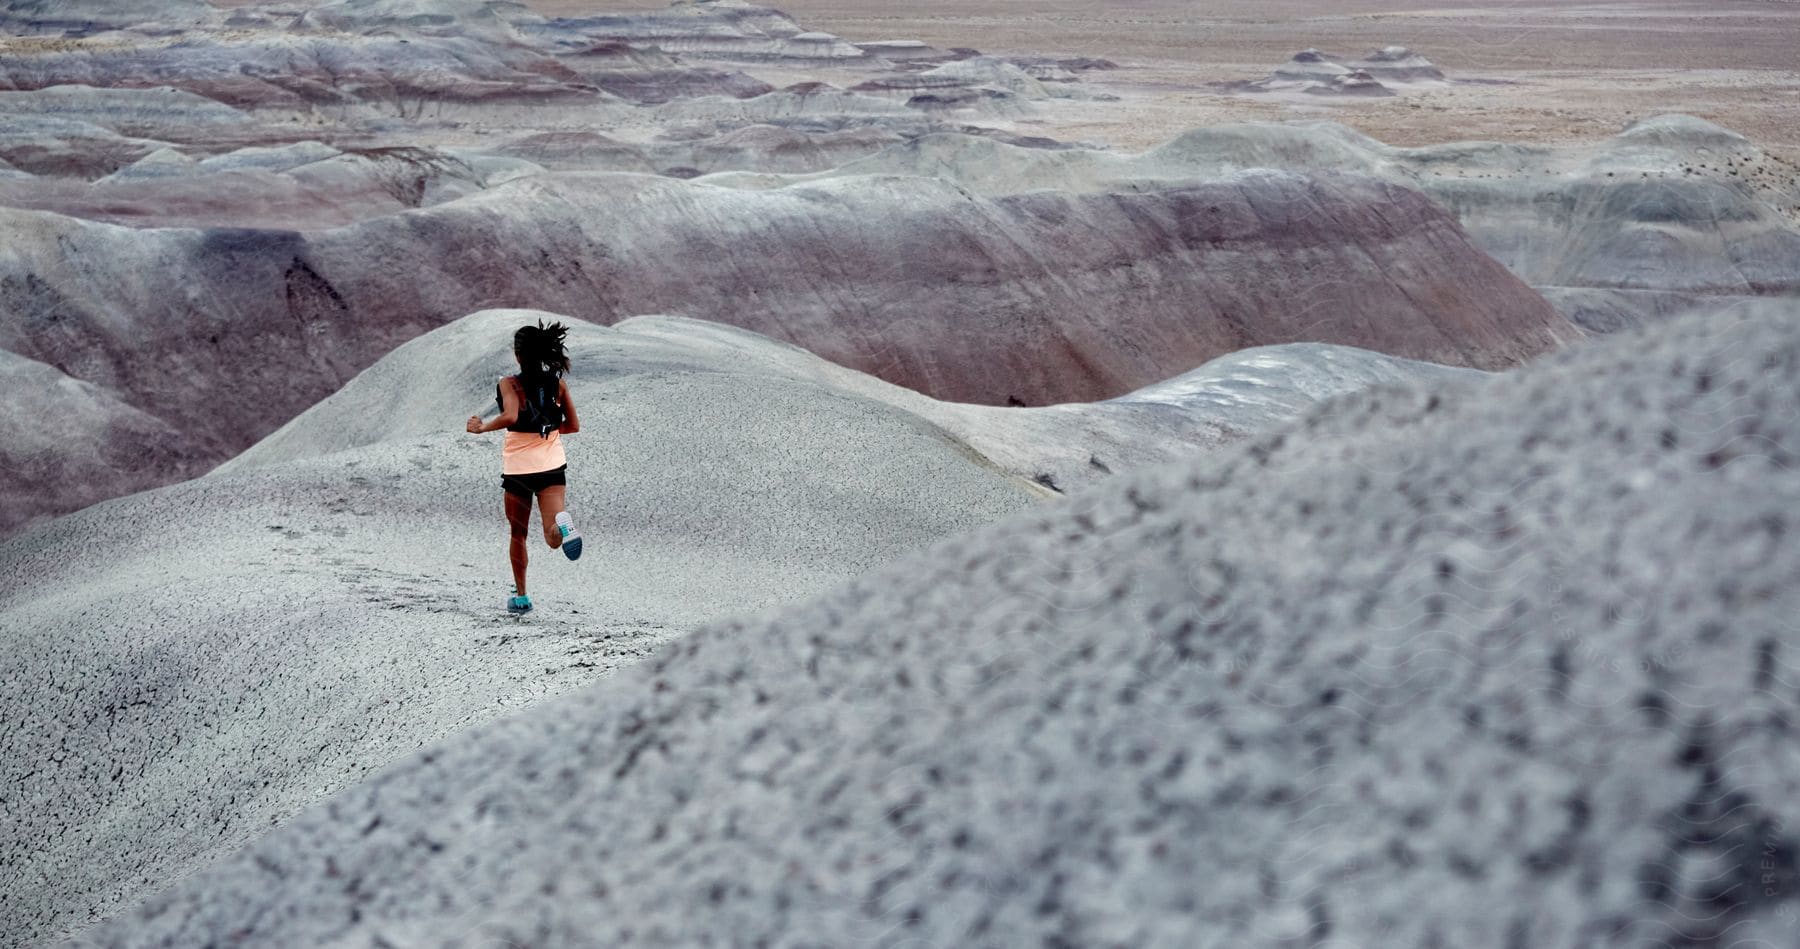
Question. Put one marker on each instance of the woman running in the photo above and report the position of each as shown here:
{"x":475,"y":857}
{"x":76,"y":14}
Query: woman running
{"x":535,"y":411}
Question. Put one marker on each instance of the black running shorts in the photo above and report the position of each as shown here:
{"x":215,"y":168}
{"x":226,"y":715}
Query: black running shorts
{"x":528,"y":485}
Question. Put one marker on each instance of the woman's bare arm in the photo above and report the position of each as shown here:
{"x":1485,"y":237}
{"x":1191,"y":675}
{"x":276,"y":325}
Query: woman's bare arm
{"x":571,"y":422}
{"x":509,"y":411}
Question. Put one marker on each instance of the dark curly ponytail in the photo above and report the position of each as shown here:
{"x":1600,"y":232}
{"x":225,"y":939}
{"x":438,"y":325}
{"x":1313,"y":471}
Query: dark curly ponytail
{"x":540,"y":351}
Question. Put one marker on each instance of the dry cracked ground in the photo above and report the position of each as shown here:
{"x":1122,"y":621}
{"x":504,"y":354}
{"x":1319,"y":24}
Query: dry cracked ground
{"x":1151,"y":474}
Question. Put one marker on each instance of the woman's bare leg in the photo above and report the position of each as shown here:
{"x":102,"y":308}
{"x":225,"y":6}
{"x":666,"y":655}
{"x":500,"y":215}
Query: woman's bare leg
{"x":551,"y":503}
{"x":518,"y":520}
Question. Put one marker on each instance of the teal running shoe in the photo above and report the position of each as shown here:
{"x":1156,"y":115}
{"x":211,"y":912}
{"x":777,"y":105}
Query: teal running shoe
{"x":571,"y":538}
{"x":519,"y":604}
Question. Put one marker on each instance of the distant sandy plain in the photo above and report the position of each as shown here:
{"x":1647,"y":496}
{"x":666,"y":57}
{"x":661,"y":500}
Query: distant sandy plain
{"x":1572,"y":71}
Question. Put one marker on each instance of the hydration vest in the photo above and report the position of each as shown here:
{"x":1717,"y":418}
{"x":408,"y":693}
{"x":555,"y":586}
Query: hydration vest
{"x":540,"y":412}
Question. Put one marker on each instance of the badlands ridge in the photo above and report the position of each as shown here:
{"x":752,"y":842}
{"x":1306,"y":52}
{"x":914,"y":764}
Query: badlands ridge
{"x":1271,"y":537}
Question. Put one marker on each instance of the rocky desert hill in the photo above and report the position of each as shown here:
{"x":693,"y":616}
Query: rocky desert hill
{"x":1272,"y":536}
{"x":1315,"y":73}
{"x":1672,"y":214}
{"x":725,"y":472}
{"x":304,"y":188}
{"x":1546,"y":658}
{"x":290,"y":206}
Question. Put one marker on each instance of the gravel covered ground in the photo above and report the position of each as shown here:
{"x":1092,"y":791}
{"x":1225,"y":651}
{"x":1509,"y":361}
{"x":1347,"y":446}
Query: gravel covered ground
{"x":328,"y":601}
{"x":189,"y":665}
{"x":1511,"y":663}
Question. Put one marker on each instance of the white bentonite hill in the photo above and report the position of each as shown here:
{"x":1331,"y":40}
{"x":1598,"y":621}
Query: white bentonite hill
{"x":1503,"y":663}
{"x":201,"y":661}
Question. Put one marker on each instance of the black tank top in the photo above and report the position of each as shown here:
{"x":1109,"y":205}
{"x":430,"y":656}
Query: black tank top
{"x":520,"y":424}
